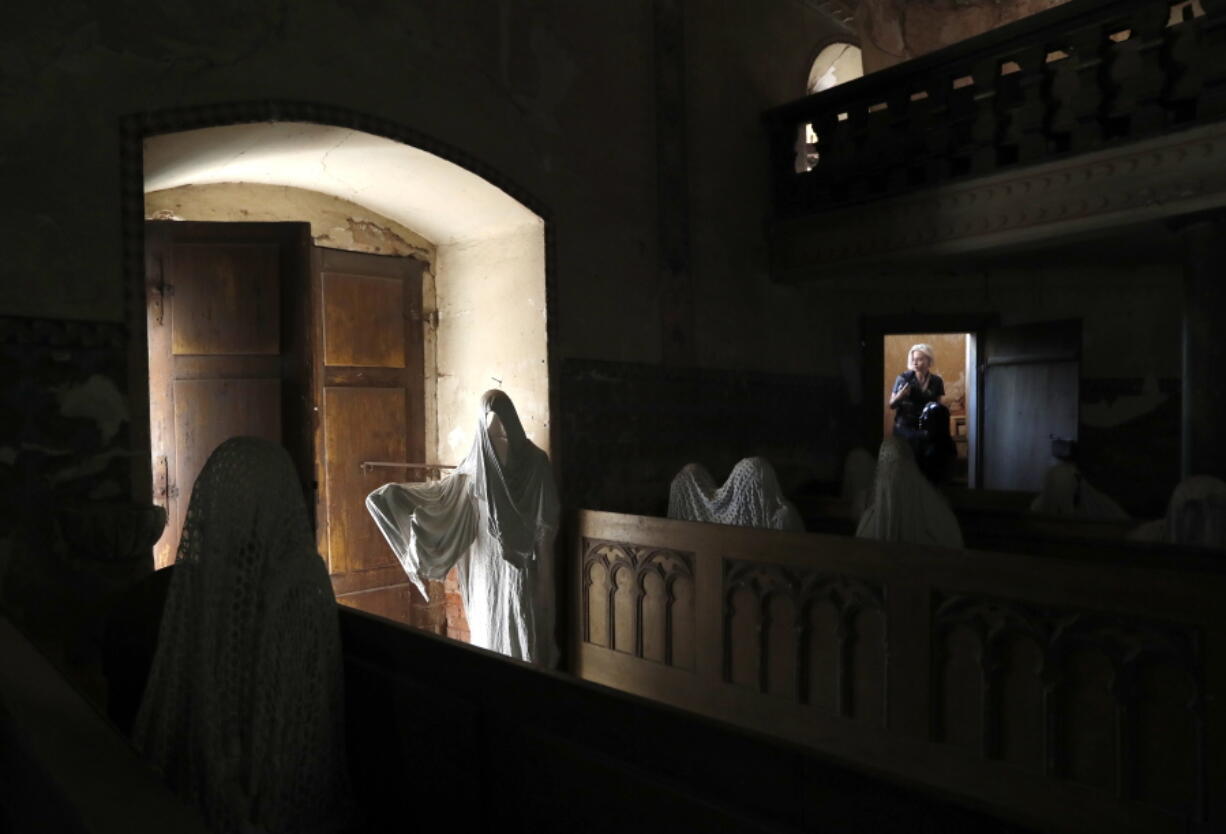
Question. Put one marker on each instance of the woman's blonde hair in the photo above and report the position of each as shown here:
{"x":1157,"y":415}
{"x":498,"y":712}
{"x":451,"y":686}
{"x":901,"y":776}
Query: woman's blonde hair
{"x":925,"y":349}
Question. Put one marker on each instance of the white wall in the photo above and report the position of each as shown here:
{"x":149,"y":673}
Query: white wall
{"x":492,"y":316}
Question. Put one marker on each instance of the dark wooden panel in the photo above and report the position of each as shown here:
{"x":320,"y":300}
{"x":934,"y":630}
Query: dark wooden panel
{"x":1024,"y":405}
{"x":742,"y":649}
{"x":867,"y":655}
{"x":519,"y":750}
{"x":365,"y":377}
{"x":780,"y":646}
{"x":1166,"y":737}
{"x":226,"y":299}
{"x":595,"y":606}
{"x":359,"y":424}
{"x":230,"y":367}
{"x":363,"y":320}
{"x":348,"y":583}
{"x":210,"y":411}
{"x":395,"y":602}
{"x":639,"y":601}
{"x":1067,"y":695}
{"x":823,"y":657}
{"x":1045,"y":341}
{"x":961,"y":691}
{"x":1086,"y":727}
{"x":1020,"y":712}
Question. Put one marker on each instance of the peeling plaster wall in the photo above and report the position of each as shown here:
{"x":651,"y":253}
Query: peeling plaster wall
{"x":335,"y":223}
{"x":491,"y":334}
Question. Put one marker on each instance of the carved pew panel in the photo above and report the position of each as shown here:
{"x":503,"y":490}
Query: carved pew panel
{"x":1060,"y":692}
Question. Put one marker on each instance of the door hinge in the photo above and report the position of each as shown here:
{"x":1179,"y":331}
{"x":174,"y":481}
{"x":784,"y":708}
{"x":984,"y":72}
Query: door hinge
{"x":157,"y":290}
{"x":163,"y":489}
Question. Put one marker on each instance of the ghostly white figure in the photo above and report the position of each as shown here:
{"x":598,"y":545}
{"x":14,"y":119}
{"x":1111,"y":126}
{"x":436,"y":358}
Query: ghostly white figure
{"x":857,"y":489}
{"x":243,"y":711}
{"x":494,"y":518}
{"x":905,"y":506}
{"x":1195,"y":515}
{"x":1066,"y":492}
{"x":751,"y":497}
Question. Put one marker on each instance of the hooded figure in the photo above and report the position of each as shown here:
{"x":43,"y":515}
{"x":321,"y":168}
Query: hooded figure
{"x":1066,"y":492}
{"x":905,"y":507}
{"x":857,"y":489}
{"x":243,"y":711}
{"x":1196,"y":515}
{"x":751,"y":497}
{"x":494,"y":518}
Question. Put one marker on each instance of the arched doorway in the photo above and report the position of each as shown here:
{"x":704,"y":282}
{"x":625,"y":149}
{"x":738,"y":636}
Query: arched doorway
{"x":482,"y":302}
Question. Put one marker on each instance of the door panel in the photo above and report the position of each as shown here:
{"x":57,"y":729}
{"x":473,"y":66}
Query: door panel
{"x":226,"y":348}
{"x":1029,"y":392}
{"x":226,"y":299}
{"x":369,"y":374}
{"x":360,"y":424}
{"x":210,"y":411}
{"x":1026,"y":405}
{"x":363,"y":321}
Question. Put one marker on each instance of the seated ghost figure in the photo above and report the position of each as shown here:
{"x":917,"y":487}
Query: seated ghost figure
{"x":1195,"y":515}
{"x":905,"y":506}
{"x":494,"y":518}
{"x":751,"y":497}
{"x":1066,"y":492}
{"x":243,"y":710}
{"x":857,"y":489}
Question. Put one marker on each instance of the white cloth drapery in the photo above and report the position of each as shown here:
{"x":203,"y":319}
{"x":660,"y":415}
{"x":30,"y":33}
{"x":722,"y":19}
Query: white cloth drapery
{"x":905,"y":506}
{"x":857,"y":489}
{"x":1195,"y":515}
{"x":494,"y":521}
{"x":1067,"y":492}
{"x":751,"y":497}
{"x":243,"y":711}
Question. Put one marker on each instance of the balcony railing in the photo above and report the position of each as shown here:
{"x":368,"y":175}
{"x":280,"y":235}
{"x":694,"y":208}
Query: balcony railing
{"x":1080,"y":77}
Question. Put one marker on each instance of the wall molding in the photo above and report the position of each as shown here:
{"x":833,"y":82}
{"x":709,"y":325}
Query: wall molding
{"x":1153,"y":180}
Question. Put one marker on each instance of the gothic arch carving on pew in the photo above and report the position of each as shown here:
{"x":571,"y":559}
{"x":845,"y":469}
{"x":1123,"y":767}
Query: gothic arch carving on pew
{"x":637,"y":563}
{"x":1066,"y":640}
{"x":849,"y":596}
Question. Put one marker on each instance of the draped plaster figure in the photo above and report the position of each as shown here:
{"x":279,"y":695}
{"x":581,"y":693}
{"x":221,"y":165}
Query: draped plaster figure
{"x":494,"y":518}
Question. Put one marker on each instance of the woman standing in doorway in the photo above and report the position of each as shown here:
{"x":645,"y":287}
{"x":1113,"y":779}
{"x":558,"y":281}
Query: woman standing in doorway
{"x":914,"y":393}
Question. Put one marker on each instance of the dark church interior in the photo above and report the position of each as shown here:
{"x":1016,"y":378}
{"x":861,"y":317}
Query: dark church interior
{"x":865,"y":354}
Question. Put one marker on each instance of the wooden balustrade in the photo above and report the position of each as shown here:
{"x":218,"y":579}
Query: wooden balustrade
{"x":1081,"y":77}
{"x":1057,"y":692}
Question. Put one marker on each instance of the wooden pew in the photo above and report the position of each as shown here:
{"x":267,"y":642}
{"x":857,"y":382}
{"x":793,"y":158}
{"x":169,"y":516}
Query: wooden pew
{"x":450,"y":737}
{"x":1059,"y":692}
{"x":443,"y":736}
{"x":1001,"y":521}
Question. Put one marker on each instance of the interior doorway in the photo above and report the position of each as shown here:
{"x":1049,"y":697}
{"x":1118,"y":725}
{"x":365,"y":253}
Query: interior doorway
{"x":954,"y":362}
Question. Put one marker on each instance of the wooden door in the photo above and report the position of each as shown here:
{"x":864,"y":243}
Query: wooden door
{"x":1028,"y":392}
{"x":225,"y":318}
{"x":370,"y":391}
